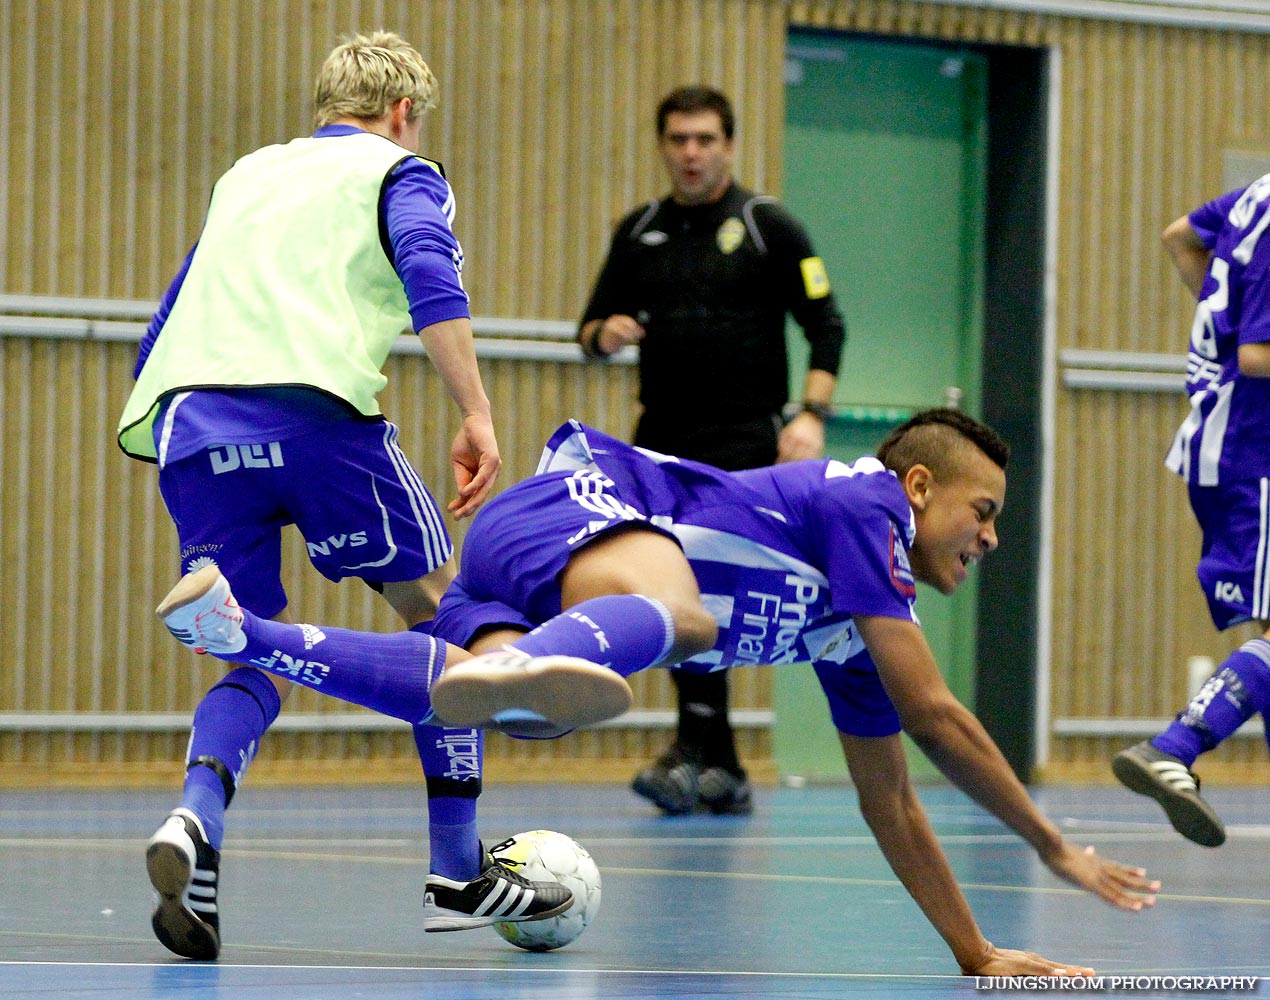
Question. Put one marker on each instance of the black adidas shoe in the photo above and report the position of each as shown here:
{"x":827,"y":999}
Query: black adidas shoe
{"x":1163,"y":777}
{"x":184,"y":869}
{"x":670,"y":782}
{"x":725,"y":793}
{"x":497,"y":894}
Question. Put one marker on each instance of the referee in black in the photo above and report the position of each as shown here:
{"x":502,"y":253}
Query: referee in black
{"x":702,"y":281}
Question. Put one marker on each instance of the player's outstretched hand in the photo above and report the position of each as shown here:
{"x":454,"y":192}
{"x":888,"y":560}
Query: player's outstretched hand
{"x":1008,"y":962}
{"x":1120,"y":885}
{"x":476,"y":462}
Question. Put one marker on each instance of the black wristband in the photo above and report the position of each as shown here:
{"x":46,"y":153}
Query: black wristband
{"x":822,"y":410}
{"x":595,"y":350}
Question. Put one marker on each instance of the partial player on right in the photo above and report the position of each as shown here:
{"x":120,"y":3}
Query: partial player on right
{"x":1222,"y":450}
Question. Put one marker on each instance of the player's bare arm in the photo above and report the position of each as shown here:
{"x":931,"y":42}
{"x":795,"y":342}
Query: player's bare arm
{"x":903,"y":832}
{"x":1190,"y":256}
{"x":1254,"y":359}
{"x":474,"y":453}
{"x":956,"y":742}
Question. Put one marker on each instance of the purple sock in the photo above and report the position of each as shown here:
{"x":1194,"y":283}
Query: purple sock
{"x":624,"y":632}
{"x":451,"y":760}
{"x":1238,"y":690}
{"x":228,"y":725}
{"x":389,"y":673}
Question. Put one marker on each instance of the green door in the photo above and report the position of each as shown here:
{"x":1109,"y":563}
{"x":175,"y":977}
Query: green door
{"x":885,"y":151}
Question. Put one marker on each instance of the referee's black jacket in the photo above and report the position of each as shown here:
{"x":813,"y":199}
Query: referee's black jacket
{"x":711,"y":285}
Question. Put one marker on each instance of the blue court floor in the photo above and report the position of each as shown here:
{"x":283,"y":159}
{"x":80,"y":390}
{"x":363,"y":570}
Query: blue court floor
{"x":321,"y":893}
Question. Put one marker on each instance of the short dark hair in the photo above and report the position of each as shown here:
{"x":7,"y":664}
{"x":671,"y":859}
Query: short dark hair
{"x":686,"y":100}
{"x":934,"y":438}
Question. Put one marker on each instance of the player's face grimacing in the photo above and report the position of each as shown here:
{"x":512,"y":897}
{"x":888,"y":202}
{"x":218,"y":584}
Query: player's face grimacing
{"x":956,"y":518}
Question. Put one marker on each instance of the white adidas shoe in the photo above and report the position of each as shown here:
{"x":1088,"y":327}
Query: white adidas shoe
{"x":202,"y":613}
{"x":522,"y":695}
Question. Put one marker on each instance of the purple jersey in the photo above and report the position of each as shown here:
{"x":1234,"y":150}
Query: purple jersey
{"x":783,"y":555}
{"x":1226,"y":437}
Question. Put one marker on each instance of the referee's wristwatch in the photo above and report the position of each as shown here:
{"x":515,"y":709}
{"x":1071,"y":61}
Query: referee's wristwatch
{"x":597,"y":350}
{"x":821,"y":410}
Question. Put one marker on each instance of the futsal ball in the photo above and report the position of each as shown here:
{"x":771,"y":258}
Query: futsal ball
{"x":547,"y":856}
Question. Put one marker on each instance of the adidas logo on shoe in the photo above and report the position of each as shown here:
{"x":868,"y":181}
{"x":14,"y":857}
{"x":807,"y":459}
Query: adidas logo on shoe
{"x":1152,"y":772}
{"x":496,"y":895}
{"x":184,"y":870}
{"x":200,"y":611}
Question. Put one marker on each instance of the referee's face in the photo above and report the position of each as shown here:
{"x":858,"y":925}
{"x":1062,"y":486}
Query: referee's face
{"x":698,"y":156}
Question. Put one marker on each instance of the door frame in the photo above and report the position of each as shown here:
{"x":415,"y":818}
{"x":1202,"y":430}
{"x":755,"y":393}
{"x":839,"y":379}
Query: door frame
{"x":1018,"y":357}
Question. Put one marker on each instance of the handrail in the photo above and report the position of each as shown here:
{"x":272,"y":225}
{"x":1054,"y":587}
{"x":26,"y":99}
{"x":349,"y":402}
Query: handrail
{"x":1126,"y":727}
{"x":125,"y":320}
{"x":142,"y":309}
{"x":309,"y":722}
{"x":70,"y":318}
{"x":1123,"y":371}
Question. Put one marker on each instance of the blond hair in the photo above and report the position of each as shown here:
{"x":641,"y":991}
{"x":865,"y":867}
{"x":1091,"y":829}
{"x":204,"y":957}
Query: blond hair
{"x":364,"y":76}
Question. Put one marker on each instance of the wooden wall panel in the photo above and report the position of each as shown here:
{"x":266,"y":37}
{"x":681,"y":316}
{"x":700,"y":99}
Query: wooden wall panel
{"x":119,"y":115}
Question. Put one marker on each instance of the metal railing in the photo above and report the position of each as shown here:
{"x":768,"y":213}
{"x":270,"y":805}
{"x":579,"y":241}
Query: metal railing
{"x":69,"y":318}
{"x":308,"y":722}
{"x":1123,"y":371}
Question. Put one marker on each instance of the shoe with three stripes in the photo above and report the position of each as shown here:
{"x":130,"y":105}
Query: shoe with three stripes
{"x":497,"y":894}
{"x":200,"y":611}
{"x":184,"y":869}
{"x":1163,"y":777}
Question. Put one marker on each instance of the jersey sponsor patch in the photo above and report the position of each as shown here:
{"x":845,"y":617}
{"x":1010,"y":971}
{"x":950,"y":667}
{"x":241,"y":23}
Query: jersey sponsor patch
{"x":901,"y":571}
{"x":834,"y":642}
{"x":770,"y":610}
{"x":815,"y":277}
{"x":730,"y":235}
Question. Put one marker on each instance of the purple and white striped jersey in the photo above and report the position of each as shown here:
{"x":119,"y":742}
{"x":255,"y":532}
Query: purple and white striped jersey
{"x":1226,"y":436}
{"x":783,"y":555}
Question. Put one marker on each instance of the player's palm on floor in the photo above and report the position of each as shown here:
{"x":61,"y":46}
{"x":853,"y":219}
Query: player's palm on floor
{"x":1009,"y":962}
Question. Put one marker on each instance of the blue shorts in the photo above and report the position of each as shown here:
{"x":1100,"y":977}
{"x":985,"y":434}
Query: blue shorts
{"x":357,"y":501}
{"x":1234,"y":564}
{"x":858,"y":703}
{"x":519,"y":544}
{"x":521,"y":541}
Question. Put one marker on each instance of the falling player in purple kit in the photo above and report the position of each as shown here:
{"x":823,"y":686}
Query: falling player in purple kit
{"x":632,"y":559}
{"x":1222,"y":450}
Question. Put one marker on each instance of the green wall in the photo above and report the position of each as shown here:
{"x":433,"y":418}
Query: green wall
{"x":885,"y":165}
